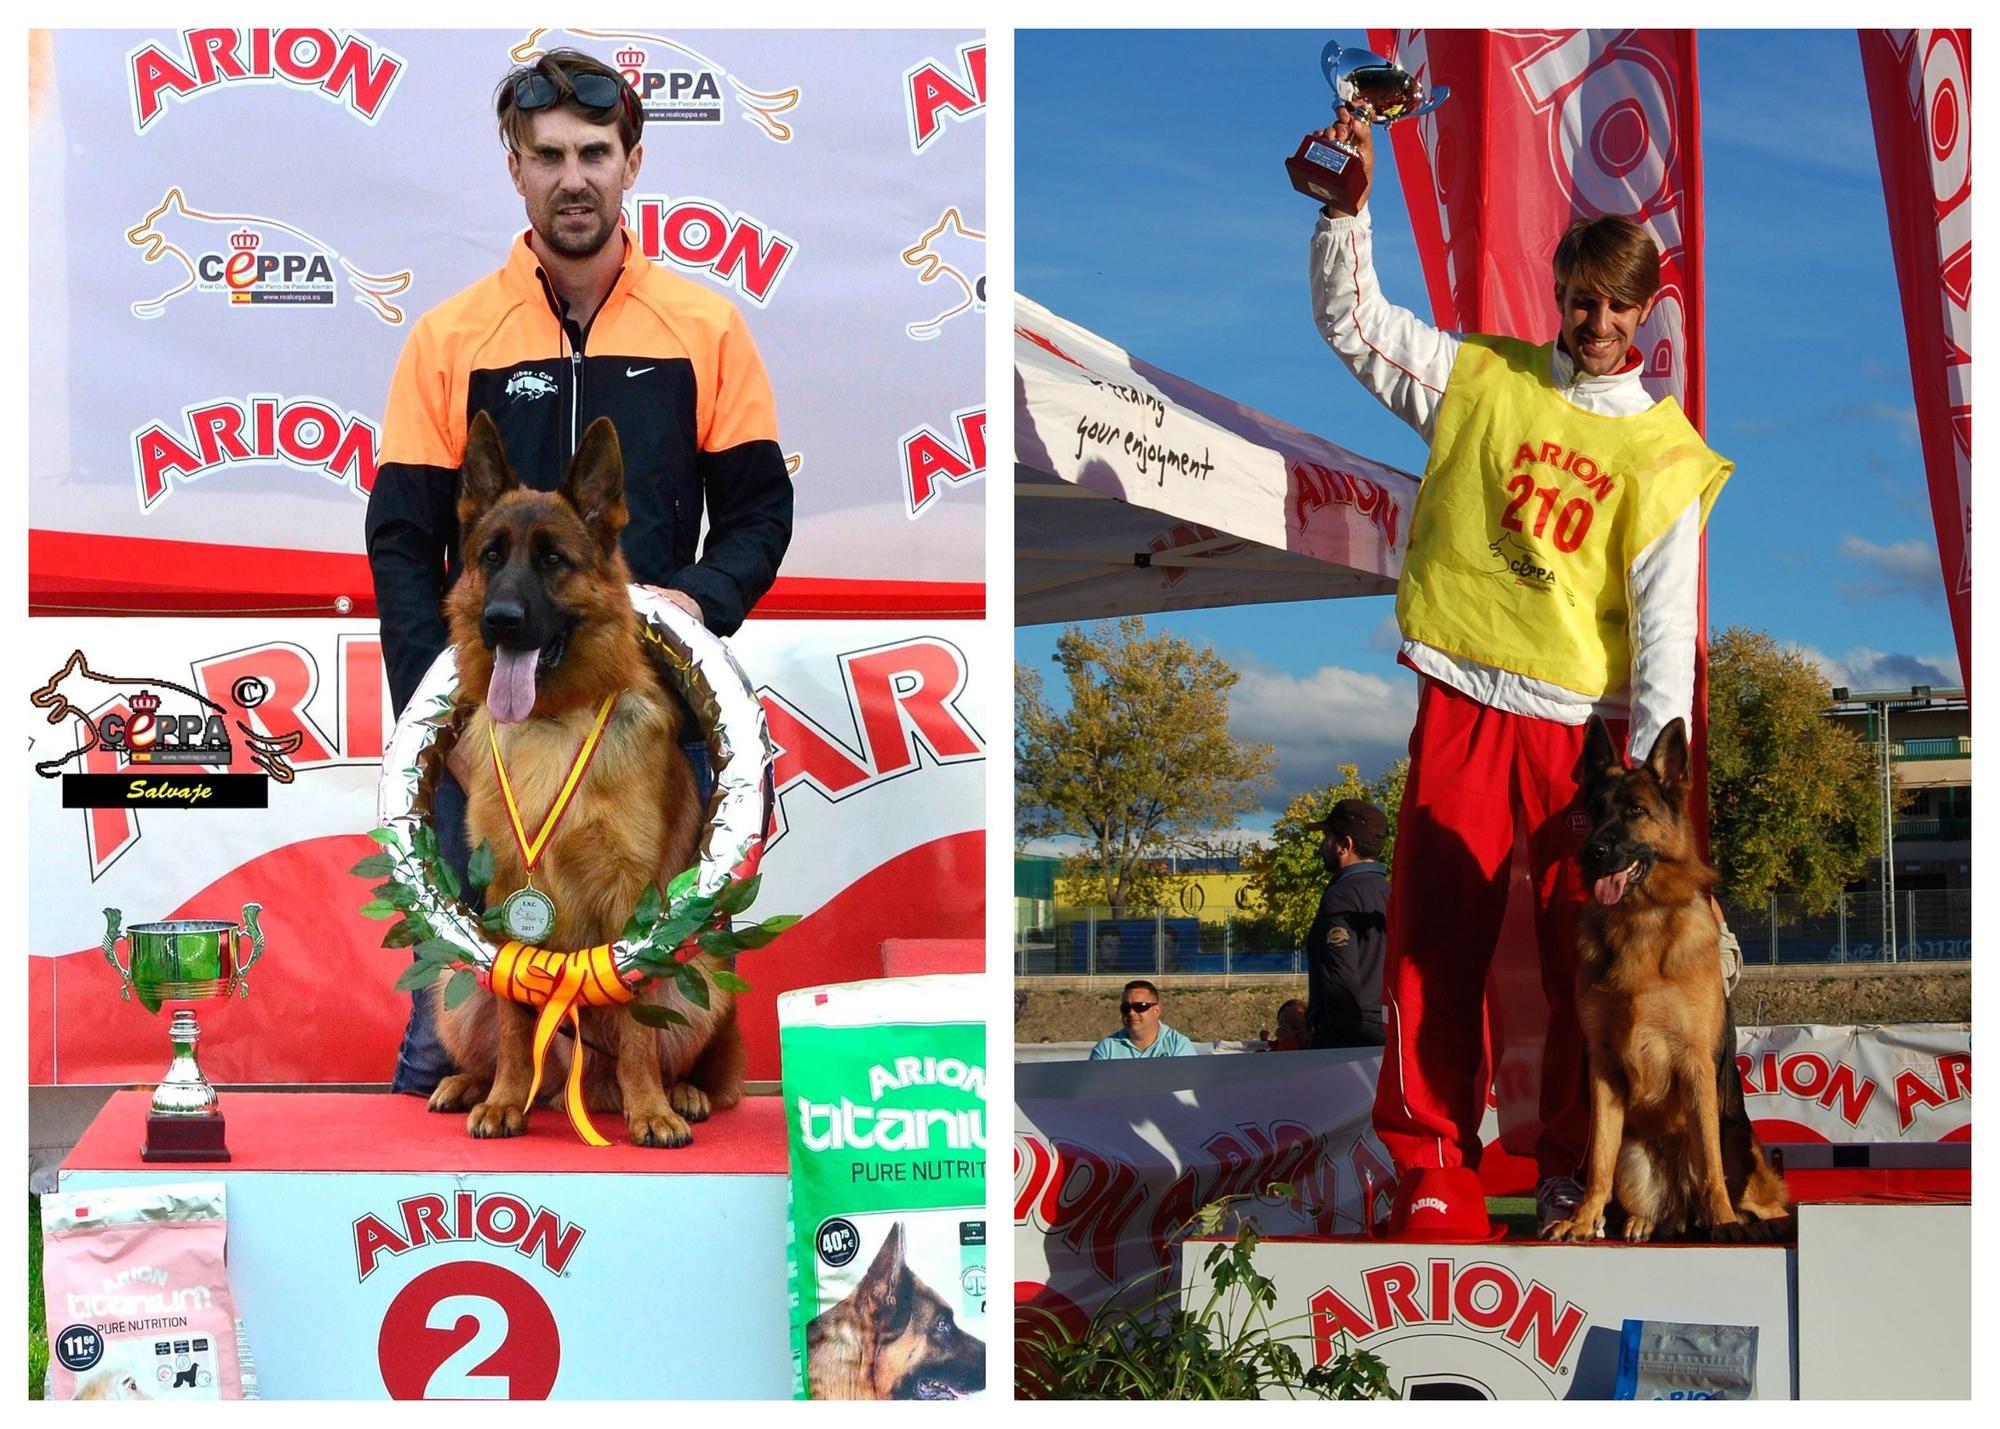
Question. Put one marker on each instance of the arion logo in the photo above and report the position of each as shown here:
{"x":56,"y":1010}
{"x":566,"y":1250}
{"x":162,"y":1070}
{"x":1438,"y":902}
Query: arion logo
{"x":343,"y":67}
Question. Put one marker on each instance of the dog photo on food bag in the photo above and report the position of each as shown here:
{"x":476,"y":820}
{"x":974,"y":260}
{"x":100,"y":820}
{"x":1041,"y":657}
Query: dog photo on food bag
{"x":1671,"y":1146}
{"x":558,"y":694}
{"x":893,"y":1338}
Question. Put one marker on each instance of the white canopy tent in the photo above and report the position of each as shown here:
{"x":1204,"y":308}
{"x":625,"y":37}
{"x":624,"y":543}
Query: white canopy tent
{"x":1136,"y":491}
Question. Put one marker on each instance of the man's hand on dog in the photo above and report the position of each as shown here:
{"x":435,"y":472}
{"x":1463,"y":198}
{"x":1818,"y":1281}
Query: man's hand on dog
{"x":678,"y":597}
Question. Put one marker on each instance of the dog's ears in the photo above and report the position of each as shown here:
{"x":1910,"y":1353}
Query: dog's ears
{"x":1669,"y":759}
{"x":483,"y":474}
{"x":1599,"y":751}
{"x":882,"y":1287}
{"x":595,"y":483}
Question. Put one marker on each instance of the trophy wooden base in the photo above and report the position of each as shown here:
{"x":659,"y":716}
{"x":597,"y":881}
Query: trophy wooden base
{"x":183,"y":1138}
{"x":1327,"y":172}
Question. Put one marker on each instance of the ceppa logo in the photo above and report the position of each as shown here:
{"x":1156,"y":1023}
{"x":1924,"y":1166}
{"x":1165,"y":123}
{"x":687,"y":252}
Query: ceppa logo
{"x":307,"y":433}
{"x":930,"y":93}
{"x":687,"y":92}
{"x":952,"y":256}
{"x":291,"y":711}
{"x":343,"y":67}
{"x":705,"y":237}
{"x":252,"y":261}
{"x":931,"y":459}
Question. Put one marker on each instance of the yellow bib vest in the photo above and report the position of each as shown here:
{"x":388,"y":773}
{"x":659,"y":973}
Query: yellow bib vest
{"x":1531,"y":513}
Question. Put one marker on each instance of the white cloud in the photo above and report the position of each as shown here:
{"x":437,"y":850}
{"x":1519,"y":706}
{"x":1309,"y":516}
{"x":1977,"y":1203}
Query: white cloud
{"x":1321,"y":719}
{"x":1906,"y":568}
{"x":1864,"y":669}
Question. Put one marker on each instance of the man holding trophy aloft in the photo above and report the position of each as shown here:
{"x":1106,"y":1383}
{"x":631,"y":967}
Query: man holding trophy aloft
{"x":1553,"y":571}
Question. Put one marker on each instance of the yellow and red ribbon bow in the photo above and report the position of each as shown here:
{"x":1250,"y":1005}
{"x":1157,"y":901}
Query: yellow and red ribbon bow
{"x":561,"y":984}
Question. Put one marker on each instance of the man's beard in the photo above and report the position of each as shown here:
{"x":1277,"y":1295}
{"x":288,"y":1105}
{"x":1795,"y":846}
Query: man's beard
{"x":575,"y":244}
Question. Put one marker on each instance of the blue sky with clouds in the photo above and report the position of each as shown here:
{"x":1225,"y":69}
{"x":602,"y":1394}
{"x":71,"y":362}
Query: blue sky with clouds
{"x":1152,"y":208}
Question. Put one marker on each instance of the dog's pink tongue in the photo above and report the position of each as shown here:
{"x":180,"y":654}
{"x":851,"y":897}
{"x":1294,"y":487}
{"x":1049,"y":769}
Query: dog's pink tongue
{"x":511,"y":696}
{"x":1610,"y":888}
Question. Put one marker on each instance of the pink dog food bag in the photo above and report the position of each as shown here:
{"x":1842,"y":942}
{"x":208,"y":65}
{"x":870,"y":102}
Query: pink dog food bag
{"x":136,"y":1288}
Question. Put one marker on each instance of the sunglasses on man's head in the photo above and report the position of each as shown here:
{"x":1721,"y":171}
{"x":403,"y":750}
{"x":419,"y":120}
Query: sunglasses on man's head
{"x":1140,"y":1006}
{"x":535,"y":90}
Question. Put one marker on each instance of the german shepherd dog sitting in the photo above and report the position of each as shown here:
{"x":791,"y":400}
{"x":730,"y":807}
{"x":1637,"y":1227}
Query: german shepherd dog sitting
{"x":1670,"y":1140}
{"x":893,"y":1338}
{"x":544,"y":630}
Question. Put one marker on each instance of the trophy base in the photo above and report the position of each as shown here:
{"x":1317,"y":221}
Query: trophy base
{"x":1328,"y":173}
{"x":183,"y":1138}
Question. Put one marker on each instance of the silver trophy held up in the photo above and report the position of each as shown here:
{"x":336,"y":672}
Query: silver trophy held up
{"x":184,"y":960}
{"x":1375,"y":89}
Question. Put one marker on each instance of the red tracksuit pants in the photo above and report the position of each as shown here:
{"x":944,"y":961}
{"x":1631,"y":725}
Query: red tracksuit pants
{"x":1476,"y":774}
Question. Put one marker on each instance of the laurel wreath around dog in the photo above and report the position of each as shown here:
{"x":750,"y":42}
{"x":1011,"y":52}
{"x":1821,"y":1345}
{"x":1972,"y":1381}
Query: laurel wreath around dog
{"x":421,"y":891}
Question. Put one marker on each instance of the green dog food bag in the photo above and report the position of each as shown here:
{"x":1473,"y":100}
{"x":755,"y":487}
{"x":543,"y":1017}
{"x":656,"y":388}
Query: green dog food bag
{"x":885,"y":1112}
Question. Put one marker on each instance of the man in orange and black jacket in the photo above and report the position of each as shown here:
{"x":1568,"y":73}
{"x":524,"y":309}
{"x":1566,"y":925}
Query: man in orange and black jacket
{"x":577,"y":325}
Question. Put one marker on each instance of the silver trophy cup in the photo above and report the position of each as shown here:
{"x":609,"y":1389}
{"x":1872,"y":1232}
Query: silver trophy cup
{"x":184,"y":960}
{"x":1373,"y":88}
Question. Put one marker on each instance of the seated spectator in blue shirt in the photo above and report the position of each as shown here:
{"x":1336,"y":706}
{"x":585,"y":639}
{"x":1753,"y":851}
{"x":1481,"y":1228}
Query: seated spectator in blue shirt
{"x":1144,"y":1034}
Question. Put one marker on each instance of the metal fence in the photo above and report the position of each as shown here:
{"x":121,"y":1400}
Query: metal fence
{"x":1930,"y":925}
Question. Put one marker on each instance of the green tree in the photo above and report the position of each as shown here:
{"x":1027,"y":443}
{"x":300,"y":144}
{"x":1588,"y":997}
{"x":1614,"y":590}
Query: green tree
{"x":1288,"y":872}
{"x":1794,"y":798}
{"x":1142,"y":758}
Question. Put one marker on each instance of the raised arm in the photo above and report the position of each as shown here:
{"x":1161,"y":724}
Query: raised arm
{"x":1400,"y":358}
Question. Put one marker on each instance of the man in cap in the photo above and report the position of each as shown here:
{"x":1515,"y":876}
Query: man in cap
{"x":1344,"y":947}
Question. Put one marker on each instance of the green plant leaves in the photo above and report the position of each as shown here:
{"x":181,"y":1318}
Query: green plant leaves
{"x":376,"y":865}
{"x":479,"y":868}
{"x":653,"y":1015}
{"x":739,"y":894}
{"x":694,"y":987}
{"x":418,"y":975}
{"x":460,"y":987}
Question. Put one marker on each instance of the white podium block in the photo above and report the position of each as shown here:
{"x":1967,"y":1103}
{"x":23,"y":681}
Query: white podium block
{"x":1514,"y":1319}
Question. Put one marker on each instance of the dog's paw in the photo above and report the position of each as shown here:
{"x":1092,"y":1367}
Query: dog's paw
{"x":496,"y":1119}
{"x":1735,"y":1232}
{"x":1638,"y":1229}
{"x":663,"y":1127}
{"x":689,"y":1100}
{"x":1576,"y":1228}
{"x":459,"y":1092}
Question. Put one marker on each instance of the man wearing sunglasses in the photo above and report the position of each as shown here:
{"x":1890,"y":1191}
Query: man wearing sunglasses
{"x":1144,"y":1034}
{"x":577,"y":324}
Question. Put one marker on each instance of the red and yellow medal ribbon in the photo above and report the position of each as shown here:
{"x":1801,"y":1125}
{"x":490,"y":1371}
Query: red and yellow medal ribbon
{"x":560,"y":984}
{"x":532,"y":851}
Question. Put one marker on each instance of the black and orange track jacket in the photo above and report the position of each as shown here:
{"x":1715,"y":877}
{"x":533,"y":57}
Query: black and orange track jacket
{"x":668,"y":361}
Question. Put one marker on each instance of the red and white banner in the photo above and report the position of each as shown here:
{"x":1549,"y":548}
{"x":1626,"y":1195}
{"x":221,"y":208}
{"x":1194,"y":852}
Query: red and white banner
{"x":1110,"y":1157}
{"x":879,"y":832}
{"x":1910,"y":1083}
{"x":1919,"y":85}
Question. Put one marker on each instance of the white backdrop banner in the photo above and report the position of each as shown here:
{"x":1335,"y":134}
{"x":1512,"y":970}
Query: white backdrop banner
{"x":234,"y":230}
